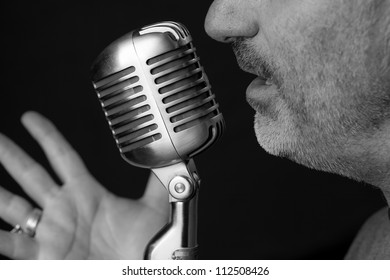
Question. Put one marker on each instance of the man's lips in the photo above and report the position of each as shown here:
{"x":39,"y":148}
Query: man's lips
{"x":257,"y":86}
{"x":261,"y":94}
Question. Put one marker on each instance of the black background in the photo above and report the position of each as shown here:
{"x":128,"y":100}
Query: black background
{"x":252,"y":205}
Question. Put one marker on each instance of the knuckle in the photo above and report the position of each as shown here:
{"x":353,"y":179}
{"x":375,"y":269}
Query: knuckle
{"x":12,"y":205}
{"x":32,"y":171}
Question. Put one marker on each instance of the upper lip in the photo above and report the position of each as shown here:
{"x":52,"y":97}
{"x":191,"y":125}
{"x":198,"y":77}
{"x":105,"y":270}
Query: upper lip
{"x":261,"y":72}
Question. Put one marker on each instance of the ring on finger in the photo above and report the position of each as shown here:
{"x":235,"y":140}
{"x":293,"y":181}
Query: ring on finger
{"x":33,"y":221}
{"x":17,"y":229}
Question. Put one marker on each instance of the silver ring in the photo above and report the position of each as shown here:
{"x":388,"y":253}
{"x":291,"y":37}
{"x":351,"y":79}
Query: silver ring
{"x":33,"y":221}
{"x":17,"y":229}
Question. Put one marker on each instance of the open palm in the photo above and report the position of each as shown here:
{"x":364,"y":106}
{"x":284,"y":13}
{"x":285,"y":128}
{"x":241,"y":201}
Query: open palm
{"x":81,"y":219}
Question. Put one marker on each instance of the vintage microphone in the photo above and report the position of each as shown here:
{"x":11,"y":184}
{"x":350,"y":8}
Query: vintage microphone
{"x":158,"y":103}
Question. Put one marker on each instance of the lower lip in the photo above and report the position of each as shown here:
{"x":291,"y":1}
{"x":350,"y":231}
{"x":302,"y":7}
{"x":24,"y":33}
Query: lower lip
{"x":260,"y":93}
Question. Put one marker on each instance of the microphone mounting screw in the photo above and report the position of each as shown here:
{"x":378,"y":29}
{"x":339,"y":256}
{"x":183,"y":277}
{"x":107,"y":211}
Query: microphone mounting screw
{"x":181,"y":188}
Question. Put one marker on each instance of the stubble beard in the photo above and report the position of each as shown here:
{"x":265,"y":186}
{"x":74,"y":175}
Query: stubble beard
{"x":330,"y":102}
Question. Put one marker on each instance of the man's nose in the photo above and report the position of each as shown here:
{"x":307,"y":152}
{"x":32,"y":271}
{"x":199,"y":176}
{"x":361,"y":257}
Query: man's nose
{"x":229,"y":19}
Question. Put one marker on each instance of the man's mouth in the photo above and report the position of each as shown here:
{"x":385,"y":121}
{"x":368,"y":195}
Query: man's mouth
{"x":266,"y":82}
{"x":262,"y":73}
{"x":262,"y":93}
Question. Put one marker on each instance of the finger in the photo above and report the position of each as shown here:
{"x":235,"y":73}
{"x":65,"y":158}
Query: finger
{"x":63,"y":158}
{"x":14,"y":209}
{"x":34,"y":180}
{"x":17,"y":246}
{"x":155,"y":195}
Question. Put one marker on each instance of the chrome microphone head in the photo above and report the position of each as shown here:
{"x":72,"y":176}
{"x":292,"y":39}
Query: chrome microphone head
{"x":156,"y":96}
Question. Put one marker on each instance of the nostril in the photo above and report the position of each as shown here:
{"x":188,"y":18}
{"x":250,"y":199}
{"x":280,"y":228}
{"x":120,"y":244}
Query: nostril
{"x":228,"y":39}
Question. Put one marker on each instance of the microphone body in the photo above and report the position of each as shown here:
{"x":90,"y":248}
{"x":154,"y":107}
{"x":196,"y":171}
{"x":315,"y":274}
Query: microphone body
{"x":161,"y":111}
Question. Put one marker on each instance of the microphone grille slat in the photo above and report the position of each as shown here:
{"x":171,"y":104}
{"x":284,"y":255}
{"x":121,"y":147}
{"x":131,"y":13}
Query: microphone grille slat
{"x":184,"y":122}
{"x":127,"y":96}
{"x":122,"y":108}
{"x":127,"y":86}
{"x":135,"y":136}
{"x":172,"y":93}
{"x":126,"y":112}
{"x":190,"y":123}
{"x":184,"y":95}
{"x":176,"y":65}
{"x":123,"y":125}
{"x":113,"y":78}
{"x":163,"y":59}
{"x":183,"y":107}
{"x":135,"y":145}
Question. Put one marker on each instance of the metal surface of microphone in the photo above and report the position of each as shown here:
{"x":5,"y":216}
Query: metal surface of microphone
{"x":161,"y":111}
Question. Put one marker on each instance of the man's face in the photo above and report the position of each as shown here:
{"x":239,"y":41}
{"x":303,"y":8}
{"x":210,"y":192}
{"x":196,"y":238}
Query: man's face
{"x":323,"y":96}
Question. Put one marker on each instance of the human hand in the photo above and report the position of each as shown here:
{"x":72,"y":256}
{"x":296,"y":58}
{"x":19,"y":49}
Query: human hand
{"x":81,"y":219}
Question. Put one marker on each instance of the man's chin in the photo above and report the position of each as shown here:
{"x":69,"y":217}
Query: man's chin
{"x":283,"y":143}
{"x":273,"y":137}
{"x":280,"y":139}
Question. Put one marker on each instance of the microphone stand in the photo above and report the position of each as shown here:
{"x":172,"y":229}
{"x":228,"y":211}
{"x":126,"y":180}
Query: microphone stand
{"x":177,"y":240}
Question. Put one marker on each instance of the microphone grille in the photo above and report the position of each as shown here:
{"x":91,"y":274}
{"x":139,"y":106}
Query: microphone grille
{"x":124,"y":104}
{"x":156,"y":96}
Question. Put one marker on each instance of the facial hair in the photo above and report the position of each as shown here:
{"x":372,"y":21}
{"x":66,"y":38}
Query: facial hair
{"x":332,"y":96}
